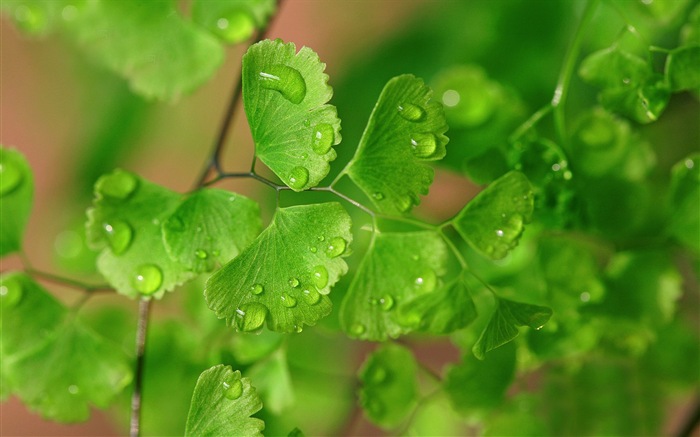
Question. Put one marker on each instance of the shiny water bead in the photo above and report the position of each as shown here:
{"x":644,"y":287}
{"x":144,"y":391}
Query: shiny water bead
{"x":336,"y":247}
{"x":148,"y":279}
{"x":286,"y":80}
{"x":312,"y":296}
{"x":117,"y":185}
{"x":233,"y":389}
{"x":10,"y":293}
{"x":257,"y":289}
{"x":411,"y":112}
{"x":319,"y":275}
{"x":323,"y":138}
{"x":119,"y":235}
{"x":298,"y":178}
{"x":423,"y":145}
{"x":288,"y":300}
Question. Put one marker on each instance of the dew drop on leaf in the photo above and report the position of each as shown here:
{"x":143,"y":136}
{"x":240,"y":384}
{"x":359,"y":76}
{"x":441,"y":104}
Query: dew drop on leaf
{"x":298,"y":178}
{"x":288,"y":301}
{"x":118,"y":185}
{"x":320,"y":276}
{"x":10,"y":293}
{"x":357,"y":329}
{"x":423,"y":145}
{"x":119,"y":235}
{"x":254,"y":315}
{"x":411,"y":112}
{"x":10,"y":177}
{"x":499,"y":232}
{"x":293,"y":282}
{"x":323,"y":137}
{"x":426,"y":281}
{"x":386,"y":302}
{"x":148,"y":279}
{"x":378,"y":196}
{"x":201,"y":254}
{"x":257,"y":289}
{"x":286,"y":80}
{"x":233,"y":389}
{"x":336,"y":247}
{"x":312,"y":296}
{"x":313,"y":249}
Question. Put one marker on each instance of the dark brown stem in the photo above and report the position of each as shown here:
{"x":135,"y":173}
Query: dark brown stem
{"x":141,"y":334}
{"x":48,"y":277}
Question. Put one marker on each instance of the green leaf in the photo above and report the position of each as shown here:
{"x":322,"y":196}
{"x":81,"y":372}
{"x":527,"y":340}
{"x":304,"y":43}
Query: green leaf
{"x":211,"y":227}
{"x":34,"y":17}
{"x":125,"y":222}
{"x":503,"y":324}
{"x":684,"y":223}
{"x":446,"y":310}
{"x":296,"y":432}
{"x":285,"y":95}
{"x":397,"y":267}
{"x":285,"y":274}
{"x":158,"y":51}
{"x":643,"y":104}
{"x":613,"y":67}
{"x":222,"y":404}
{"x":404,"y":130}
{"x":683,"y":68}
{"x":389,"y":387}
{"x":476,"y":385}
{"x":16,"y":193}
{"x":233,"y":21}
{"x":494,"y":220}
{"x":273,"y":382}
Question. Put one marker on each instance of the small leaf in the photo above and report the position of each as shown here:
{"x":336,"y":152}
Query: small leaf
{"x":494,"y":220}
{"x":480,"y":385}
{"x":684,"y":223}
{"x":233,"y":21}
{"x":211,"y":227}
{"x":16,"y":193}
{"x":446,"y":310}
{"x":614,"y":67}
{"x":683,"y":68}
{"x":222,"y":404}
{"x":398,"y":267}
{"x":285,"y":274}
{"x":389,"y":388}
{"x":502,"y":327}
{"x":643,"y":104}
{"x":125,"y":222}
{"x":404,"y":130}
{"x":285,"y":95}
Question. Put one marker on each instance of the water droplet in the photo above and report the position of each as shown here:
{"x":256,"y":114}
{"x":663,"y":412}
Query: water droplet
{"x":293,"y":282}
{"x":73,"y":389}
{"x":386,"y":302}
{"x":298,"y":328}
{"x":378,"y":196}
{"x":298,"y":178}
{"x":336,"y":247}
{"x":320,"y":276}
{"x":403,"y":203}
{"x":307,"y":122}
{"x":423,"y":145}
{"x":10,"y":176}
{"x":233,"y":389}
{"x":236,"y":27}
{"x":286,"y":80}
{"x":312,"y":296}
{"x":10,"y":293}
{"x":499,"y":232}
{"x":201,"y":254}
{"x":426,"y":281}
{"x":321,"y":238}
{"x":119,"y":235}
{"x":323,"y":138}
{"x":288,"y":301}
{"x":313,"y":249}
{"x":411,"y":112}
{"x":257,"y":289}
{"x":304,"y":155}
{"x":253,"y":317}
{"x":357,"y":329}
{"x":148,"y":279}
{"x":117,"y":185}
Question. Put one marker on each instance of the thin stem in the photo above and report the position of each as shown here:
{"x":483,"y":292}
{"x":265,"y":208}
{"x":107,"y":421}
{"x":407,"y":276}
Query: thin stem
{"x":562,"y":90}
{"x":141,"y":333}
{"x":530,"y":123}
{"x":452,"y":246}
{"x":66,"y":281}
{"x":348,"y":199}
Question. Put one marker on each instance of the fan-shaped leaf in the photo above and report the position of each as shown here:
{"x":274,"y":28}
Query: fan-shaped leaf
{"x":16,"y":193}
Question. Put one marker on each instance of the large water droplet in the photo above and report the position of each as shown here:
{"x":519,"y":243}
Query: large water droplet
{"x":286,"y":80}
{"x":236,"y":26}
{"x":233,"y":389}
{"x":386,"y":302}
{"x":257,"y":289}
{"x":499,"y":232}
{"x":293,"y":282}
{"x":288,"y":300}
{"x":411,"y":112}
{"x":403,"y":203}
{"x":323,"y":138}
{"x":253,"y":317}
{"x":10,"y":293}
{"x":201,"y":254}
{"x":117,"y":185}
{"x":312,"y":296}
{"x":426,"y":281}
{"x":357,"y":329}
{"x":119,"y":235}
{"x":336,"y":247}
{"x":298,"y":178}
{"x":10,"y":176}
{"x":148,"y":278}
{"x":320,"y":276}
{"x":423,"y":145}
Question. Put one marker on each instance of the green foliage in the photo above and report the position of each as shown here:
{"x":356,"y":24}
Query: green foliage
{"x":685,"y":200}
{"x":233,"y":21}
{"x":683,"y":68}
{"x":280,"y":84}
{"x":16,"y":193}
{"x":222,"y":404}
{"x":405,"y":129}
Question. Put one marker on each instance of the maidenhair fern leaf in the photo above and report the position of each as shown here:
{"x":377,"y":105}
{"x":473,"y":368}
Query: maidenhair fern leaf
{"x":16,"y":193}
